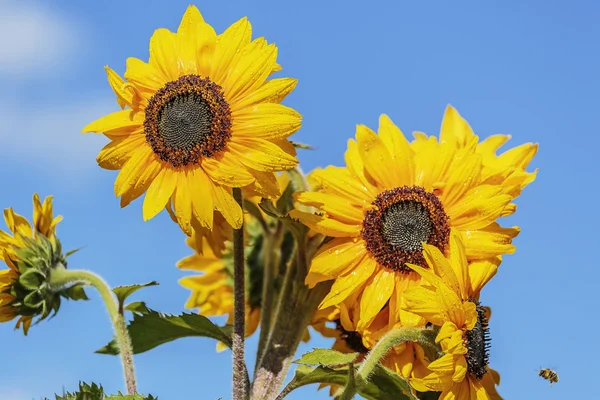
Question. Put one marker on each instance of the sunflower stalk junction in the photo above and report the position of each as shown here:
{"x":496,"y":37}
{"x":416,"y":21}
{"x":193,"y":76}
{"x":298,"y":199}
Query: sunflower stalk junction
{"x":61,"y":277}
{"x":392,"y":339}
{"x":295,"y":307}
{"x":240,"y":389}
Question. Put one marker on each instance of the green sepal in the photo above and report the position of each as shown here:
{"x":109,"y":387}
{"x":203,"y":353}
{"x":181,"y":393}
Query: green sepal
{"x":297,"y":228}
{"x":34,"y":300}
{"x":327,"y":358}
{"x":32,"y":279}
{"x":154,"y":328}
{"x":75,"y":292}
{"x":123,"y":292}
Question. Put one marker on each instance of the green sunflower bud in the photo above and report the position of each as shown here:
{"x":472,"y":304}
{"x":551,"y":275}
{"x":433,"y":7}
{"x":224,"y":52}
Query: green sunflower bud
{"x":33,"y":295}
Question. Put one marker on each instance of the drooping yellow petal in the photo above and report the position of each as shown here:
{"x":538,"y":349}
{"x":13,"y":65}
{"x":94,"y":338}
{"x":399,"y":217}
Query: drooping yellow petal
{"x":159,"y":193}
{"x":202,"y":200}
{"x":124,"y":96}
{"x":136,"y":176}
{"x":182,"y":200}
{"x":350,"y":282}
{"x":376,"y":294}
{"x":225,"y":203}
{"x":480,"y":273}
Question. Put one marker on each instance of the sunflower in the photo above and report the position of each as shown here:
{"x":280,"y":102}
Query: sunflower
{"x":43,"y":224}
{"x":199,"y":119}
{"x":392,"y":196}
{"x":450,"y":301}
{"x":212,"y":291}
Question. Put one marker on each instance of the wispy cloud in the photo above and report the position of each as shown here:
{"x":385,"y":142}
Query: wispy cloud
{"x":33,"y":38}
{"x":50,"y":135}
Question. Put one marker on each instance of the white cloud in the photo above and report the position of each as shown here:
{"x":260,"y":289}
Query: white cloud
{"x":50,"y":135}
{"x":33,"y":38}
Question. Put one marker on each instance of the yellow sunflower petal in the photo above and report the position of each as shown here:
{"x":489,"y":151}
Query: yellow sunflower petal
{"x":335,"y":206}
{"x":272,"y":91}
{"x":462,"y":178}
{"x":399,"y":149}
{"x":375,"y":296}
{"x":266,"y":121}
{"x":489,"y":241}
{"x":17,"y":223}
{"x":265,"y":184}
{"x":116,"y":120}
{"x":355,"y":165}
{"x":350,"y":282}
{"x":228,"y":48}
{"x":325,"y":226}
{"x":336,"y":256}
{"x":226,"y":170}
{"x":115,"y":154}
{"x":339,"y":181}
{"x":480,"y":273}
{"x":199,"y":40}
{"x":202,"y":206}
{"x":455,"y":130}
{"x":137,"y":179}
{"x":460,"y":369}
{"x":442,"y":268}
{"x":480,"y":207}
{"x":124,"y":96}
{"x":183,"y":203}
{"x":163,"y":53}
{"x":422,"y":301}
{"x":143,"y":76}
{"x":159,"y":192}
{"x":262,"y":155}
{"x":458,"y":261}
{"x":250,"y":71}
{"x":519,"y":156}
{"x":377,"y":159}
{"x":226,"y":204}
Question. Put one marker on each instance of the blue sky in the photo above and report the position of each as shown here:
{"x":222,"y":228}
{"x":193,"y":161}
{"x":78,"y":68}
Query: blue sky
{"x":525,"y":68}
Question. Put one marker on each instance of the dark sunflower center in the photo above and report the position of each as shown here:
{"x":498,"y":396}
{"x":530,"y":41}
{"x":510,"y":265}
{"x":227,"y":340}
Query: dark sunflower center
{"x":353,"y":339}
{"x":406,"y":224}
{"x":477,"y":342}
{"x":186,"y":120}
{"x":400,"y":221}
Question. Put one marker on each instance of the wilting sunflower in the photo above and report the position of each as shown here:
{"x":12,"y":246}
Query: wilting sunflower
{"x":212,"y":290}
{"x":44,"y":224}
{"x":199,"y":119}
{"x":450,"y":301}
{"x":392,"y":196}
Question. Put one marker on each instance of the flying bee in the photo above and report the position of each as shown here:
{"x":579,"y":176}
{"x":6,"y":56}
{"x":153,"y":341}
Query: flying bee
{"x":549,"y":375}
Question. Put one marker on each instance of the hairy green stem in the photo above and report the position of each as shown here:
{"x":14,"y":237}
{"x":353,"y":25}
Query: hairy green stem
{"x":240,"y":389}
{"x":61,"y":277}
{"x":392,"y":339}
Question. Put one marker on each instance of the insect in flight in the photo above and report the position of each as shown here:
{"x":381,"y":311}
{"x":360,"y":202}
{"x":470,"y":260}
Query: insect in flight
{"x":549,"y":375}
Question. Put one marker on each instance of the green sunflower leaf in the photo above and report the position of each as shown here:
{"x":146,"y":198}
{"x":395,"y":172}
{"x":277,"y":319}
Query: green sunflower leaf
{"x":96,"y":392}
{"x":123,"y":292}
{"x":327,"y":358}
{"x":138,"y":307}
{"x":382,"y":386}
{"x":153,"y":329}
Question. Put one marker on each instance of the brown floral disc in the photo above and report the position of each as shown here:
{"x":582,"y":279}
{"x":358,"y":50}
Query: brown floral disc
{"x":399,"y":221}
{"x":186,"y":120}
{"x":477,"y":341}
